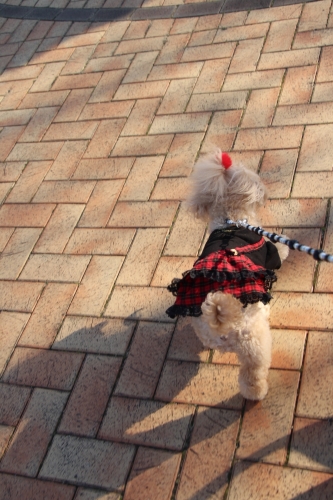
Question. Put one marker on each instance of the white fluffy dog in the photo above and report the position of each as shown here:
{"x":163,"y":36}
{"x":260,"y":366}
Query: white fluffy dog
{"x":227,"y":290}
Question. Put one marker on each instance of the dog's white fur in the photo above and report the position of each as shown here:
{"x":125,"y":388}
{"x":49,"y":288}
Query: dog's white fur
{"x":225,"y":325}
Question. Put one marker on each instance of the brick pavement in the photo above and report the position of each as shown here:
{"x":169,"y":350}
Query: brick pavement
{"x":102,"y":396}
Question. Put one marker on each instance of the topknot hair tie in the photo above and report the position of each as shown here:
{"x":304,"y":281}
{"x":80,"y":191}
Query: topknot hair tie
{"x":226,"y":160}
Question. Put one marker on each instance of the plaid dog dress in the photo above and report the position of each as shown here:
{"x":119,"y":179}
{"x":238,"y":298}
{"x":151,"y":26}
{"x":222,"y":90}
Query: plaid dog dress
{"x":235,"y":261}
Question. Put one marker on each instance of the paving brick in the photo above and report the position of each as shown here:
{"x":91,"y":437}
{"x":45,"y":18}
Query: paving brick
{"x":45,"y":80}
{"x":241,"y":33}
{"x":32,"y":436}
{"x":222,"y":130}
{"x":4,"y":190}
{"x":173,"y":49}
{"x":141,"y":179}
{"x":17,"y":251}
{"x":13,"y":93}
{"x":281,"y":35}
{"x":311,"y":445}
{"x":307,"y":186}
{"x":59,"y":229}
{"x":78,"y":60}
{"x":100,"y":241}
{"x":101,"y":203}
{"x":71,"y":130}
{"x":316,"y":140}
{"x":208,"y":22}
{"x":269,"y":138}
{"x":143,"y":214}
{"x":115,"y":32}
{"x":11,"y":327}
{"x":15,"y":117}
{"x":185,"y":345}
{"x":96,"y":285}
{"x":260,"y":108}
{"x":108,"y":168}
{"x":298,"y":85}
{"x":159,"y":27}
{"x":136,"y":29}
{"x":303,"y":114}
{"x":92,"y":462}
{"x":174,"y":71}
{"x":325,"y":71}
{"x":170,"y":189}
{"x":277,"y":171}
{"x":189,"y":122}
{"x":211,"y":77}
{"x":145,"y":360}
{"x":147,"y":241}
{"x":286,"y":59}
{"x":213,"y":440}
{"x":233,"y":19}
{"x":322,"y":92}
{"x":315,"y":393}
{"x":254,"y":80}
{"x":107,"y":63}
{"x":8,"y":138}
{"x":315,"y":38}
{"x":48,"y":267}
{"x":11,"y":171}
{"x":23,"y":73}
{"x":324,"y":283}
{"x":181,"y":155}
{"x":177,"y":96}
{"x":185,"y":25}
{"x":17,"y":296}
{"x":288,"y":310}
{"x":40,"y":30}
{"x":217,"y":101}
{"x":24,"y":215}
{"x":80,"y":40}
{"x":107,"y":86}
{"x":203,"y":53}
{"x":5,"y":435}
{"x":140,"y":67}
{"x":105,"y":137}
{"x":90,"y":395}
{"x":140,"y":45}
{"x":17,"y":486}
{"x":73,"y":106}
{"x":77,"y":81}
{"x":44,"y":99}
{"x":176,"y":245}
{"x":42,"y":368}
{"x":153,"y":475}
{"x":141,"y":90}
{"x":141,"y":117}
{"x":94,"y":335}
{"x":270,"y":420}
{"x":64,"y":191}
{"x":203,"y":384}
{"x":29,"y":182}
{"x":297,"y":272}
{"x":67,"y":160}
{"x":169,"y":268}
{"x":246,"y":56}
{"x":144,"y":422}
{"x":90,"y":494}
{"x":35,"y":151}
{"x":55,"y":55}
{"x":202,"y":38}
{"x":48,"y":315}
{"x":314,"y":17}
{"x":260,"y":480}
{"x":144,"y":303}
{"x":24,"y":53}
{"x":274,"y":14}
{"x":293,"y":213}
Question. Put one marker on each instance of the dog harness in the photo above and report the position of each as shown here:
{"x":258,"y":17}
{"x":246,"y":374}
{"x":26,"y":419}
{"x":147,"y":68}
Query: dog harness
{"x":234,"y":260}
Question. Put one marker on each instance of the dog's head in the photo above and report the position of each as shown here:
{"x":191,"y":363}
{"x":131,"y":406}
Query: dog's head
{"x":220,"y":190}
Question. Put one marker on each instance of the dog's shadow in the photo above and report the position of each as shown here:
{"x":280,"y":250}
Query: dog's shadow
{"x":169,"y":418}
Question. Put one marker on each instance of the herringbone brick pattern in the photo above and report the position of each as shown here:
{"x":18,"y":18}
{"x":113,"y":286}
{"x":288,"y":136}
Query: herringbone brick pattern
{"x":102,"y":396}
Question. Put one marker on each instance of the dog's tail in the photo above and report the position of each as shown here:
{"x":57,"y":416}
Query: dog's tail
{"x":222,"y":312}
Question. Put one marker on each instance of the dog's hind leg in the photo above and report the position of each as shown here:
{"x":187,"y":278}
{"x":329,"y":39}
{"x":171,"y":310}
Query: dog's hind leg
{"x":254,"y":353}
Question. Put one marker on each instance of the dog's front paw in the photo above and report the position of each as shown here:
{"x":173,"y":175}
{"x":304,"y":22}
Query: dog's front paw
{"x":283,"y":250}
{"x":256,"y":391}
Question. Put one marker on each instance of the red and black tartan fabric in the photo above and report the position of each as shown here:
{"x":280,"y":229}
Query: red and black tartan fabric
{"x":225,"y":271}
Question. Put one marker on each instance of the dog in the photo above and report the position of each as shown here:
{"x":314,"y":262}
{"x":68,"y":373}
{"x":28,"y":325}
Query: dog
{"x":227,"y":292}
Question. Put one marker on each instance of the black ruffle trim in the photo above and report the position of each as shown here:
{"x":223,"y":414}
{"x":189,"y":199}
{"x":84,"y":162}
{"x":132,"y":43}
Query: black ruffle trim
{"x":196,"y":311}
